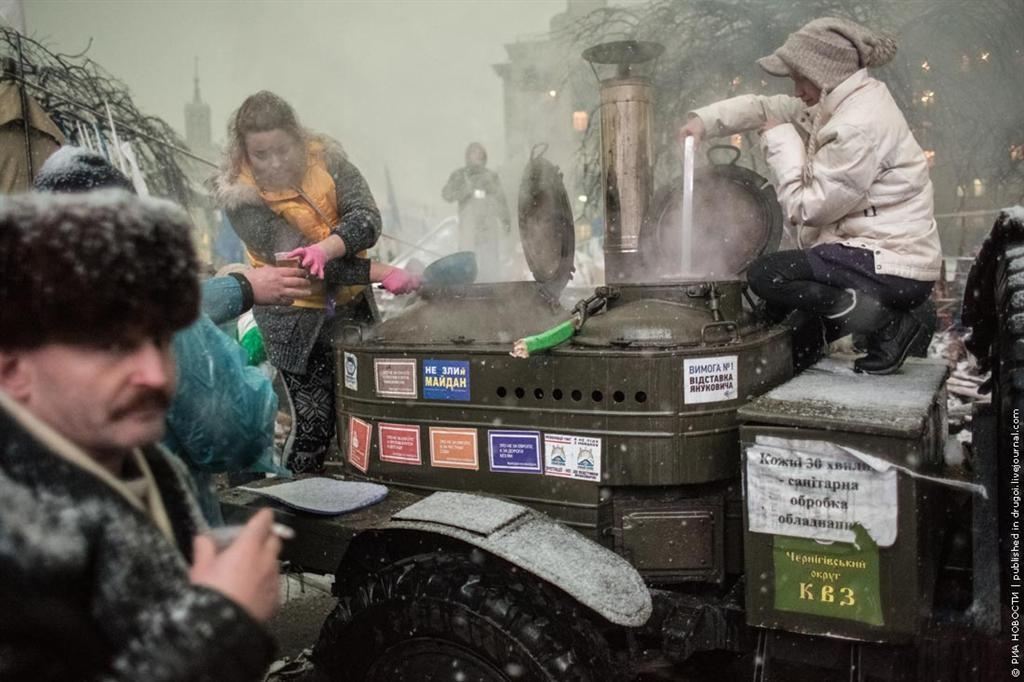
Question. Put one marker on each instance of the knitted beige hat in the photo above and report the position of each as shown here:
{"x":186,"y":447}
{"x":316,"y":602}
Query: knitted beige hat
{"x":829,"y":50}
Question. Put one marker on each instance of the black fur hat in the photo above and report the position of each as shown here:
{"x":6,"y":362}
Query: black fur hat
{"x":93,"y":269}
{"x":75,"y":169}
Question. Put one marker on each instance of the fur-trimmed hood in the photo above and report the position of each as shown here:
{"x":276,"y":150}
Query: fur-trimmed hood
{"x":231,"y":191}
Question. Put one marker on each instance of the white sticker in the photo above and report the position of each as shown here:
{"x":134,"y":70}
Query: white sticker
{"x":710,"y":380}
{"x":819,"y":493}
{"x":351,"y":372}
{"x":576,"y":457}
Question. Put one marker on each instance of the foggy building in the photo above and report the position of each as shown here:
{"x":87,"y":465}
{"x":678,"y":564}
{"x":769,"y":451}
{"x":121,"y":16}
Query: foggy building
{"x":198,"y":128}
{"x":199,"y":140}
{"x":550,"y":97}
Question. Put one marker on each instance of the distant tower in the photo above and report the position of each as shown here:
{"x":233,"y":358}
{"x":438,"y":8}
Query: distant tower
{"x":198,"y":132}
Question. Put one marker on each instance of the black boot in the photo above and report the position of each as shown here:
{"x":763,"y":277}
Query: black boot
{"x":929,"y":318}
{"x":890,"y":345}
{"x":807,"y":338}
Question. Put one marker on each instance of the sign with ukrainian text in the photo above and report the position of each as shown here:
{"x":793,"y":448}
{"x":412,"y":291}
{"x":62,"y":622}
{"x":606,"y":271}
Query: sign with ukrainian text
{"x":576,"y":457}
{"x":399,"y":443}
{"x":395,"y":378}
{"x":453,"y":448}
{"x":710,"y":380}
{"x":803,"y":491}
{"x":359,"y":435}
{"x":515,"y":451}
{"x":446,"y":380}
{"x":837,"y":580}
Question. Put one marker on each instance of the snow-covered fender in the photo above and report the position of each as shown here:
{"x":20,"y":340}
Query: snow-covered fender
{"x":594,"y":576}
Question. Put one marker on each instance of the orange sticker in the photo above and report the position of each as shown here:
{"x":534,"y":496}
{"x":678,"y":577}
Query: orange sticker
{"x":453,"y":448}
{"x":399,"y":443}
{"x":359,"y":435}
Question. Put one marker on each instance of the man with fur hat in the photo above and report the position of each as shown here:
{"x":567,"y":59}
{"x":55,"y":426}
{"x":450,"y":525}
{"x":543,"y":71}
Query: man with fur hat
{"x":854,"y":188}
{"x":105,"y":573}
{"x":222,"y":416}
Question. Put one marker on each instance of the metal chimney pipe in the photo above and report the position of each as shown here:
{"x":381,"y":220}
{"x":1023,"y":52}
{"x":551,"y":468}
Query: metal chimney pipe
{"x":626,"y":153}
{"x":623,"y":70}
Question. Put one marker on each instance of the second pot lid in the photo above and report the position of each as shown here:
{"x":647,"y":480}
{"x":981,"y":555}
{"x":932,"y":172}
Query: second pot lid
{"x":546,"y":225}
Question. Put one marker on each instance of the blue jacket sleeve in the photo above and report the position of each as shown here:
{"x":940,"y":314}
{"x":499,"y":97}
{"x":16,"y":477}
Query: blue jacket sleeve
{"x":222,"y":299}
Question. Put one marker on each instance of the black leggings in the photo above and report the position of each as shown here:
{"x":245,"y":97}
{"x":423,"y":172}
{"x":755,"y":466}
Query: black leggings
{"x":312,"y":394}
{"x":816,"y":282}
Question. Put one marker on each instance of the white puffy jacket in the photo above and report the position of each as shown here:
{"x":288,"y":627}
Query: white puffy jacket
{"x":865,"y":183}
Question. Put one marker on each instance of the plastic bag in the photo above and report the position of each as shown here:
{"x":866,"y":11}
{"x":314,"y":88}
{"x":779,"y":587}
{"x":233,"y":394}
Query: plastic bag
{"x":222,"y":416}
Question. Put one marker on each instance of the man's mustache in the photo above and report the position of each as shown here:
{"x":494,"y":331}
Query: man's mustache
{"x":150,"y":400}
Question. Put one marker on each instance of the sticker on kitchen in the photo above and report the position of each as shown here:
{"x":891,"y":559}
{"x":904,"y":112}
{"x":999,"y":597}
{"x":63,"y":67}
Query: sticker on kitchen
{"x":515,"y":451}
{"x":396,"y":378}
{"x":710,"y":380}
{"x":576,"y":457}
{"x":453,"y":448}
{"x":359,"y":435}
{"x":446,"y":379}
{"x":399,"y":443}
{"x":351,"y":372}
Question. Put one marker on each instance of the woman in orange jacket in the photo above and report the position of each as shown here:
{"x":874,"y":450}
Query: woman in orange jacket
{"x":291,"y":194}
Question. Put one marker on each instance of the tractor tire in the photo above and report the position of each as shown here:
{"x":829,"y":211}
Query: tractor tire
{"x":1008,"y":382}
{"x":454,"y":616}
{"x":1008,"y":363}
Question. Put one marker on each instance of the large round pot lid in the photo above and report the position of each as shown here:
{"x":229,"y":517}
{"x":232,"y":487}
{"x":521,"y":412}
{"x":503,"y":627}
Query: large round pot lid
{"x":546,"y":225}
{"x":736,"y":216}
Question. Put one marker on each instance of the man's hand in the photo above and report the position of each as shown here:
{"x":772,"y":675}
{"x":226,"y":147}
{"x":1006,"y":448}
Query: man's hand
{"x":694,"y":128}
{"x":246,"y":572}
{"x":277,"y":286}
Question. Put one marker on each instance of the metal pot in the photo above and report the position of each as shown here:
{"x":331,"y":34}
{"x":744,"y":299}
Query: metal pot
{"x":737,"y":218}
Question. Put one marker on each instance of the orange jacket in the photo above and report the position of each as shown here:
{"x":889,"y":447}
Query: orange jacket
{"x":312,"y":209}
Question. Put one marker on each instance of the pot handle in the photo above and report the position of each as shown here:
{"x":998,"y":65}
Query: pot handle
{"x":732,"y":162}
{"x":729,"y":326}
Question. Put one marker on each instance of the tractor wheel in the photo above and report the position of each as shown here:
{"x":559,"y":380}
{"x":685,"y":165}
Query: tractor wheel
{"x":1008,"y":382}
{"x":449,"y":616}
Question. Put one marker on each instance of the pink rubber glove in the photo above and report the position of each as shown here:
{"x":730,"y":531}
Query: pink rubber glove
{"x":313,"y":258}
{"x":399,"y":281}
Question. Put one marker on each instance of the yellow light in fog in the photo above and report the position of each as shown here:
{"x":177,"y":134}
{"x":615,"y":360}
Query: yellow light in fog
{"x":582,"y":198}
{"x":552,"y":93}
{"x":926,"y":66}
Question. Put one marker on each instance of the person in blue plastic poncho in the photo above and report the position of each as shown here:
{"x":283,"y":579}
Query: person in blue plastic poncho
{"x":222,"y":417}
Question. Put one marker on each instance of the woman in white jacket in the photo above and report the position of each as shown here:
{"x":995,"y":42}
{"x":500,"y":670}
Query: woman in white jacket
{"x":854,"y":188}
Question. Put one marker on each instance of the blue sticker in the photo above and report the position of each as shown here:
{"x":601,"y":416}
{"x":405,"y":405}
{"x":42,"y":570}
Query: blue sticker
{"x":515,"y":451}
{"x":446,"y":379}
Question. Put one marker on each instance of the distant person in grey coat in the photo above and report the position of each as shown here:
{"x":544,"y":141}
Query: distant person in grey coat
{"x":483,"y":211}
